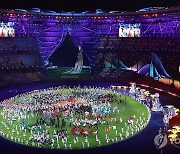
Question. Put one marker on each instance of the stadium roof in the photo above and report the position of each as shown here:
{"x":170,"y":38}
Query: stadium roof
{"x":86,"y":5}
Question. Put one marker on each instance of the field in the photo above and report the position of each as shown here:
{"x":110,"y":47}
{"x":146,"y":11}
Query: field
{"x":126,"y":109}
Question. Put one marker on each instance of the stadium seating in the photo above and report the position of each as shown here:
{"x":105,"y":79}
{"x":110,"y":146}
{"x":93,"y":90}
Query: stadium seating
{"x":20,"y":61}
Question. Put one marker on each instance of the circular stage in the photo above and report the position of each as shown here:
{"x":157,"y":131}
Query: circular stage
{"x":71,"y":117}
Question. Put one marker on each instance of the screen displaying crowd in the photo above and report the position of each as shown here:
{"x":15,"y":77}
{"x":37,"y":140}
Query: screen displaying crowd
{"x":129,"y":30}
{"x":7,"y":29}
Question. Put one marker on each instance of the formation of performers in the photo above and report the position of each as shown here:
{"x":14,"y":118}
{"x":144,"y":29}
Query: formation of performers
{"x":52,"y":116}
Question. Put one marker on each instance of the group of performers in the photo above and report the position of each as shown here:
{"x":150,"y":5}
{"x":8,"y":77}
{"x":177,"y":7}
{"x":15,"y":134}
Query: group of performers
{"x":50,"y":116}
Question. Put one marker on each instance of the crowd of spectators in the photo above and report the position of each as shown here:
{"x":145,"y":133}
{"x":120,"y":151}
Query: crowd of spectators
{"x":142,"y":43}
{"x":132,"y":50}
{"x":20,"y":44}
{"x":20,"y":61}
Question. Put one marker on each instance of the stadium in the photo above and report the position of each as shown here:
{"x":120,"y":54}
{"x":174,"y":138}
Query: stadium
{"x":89,"y":81}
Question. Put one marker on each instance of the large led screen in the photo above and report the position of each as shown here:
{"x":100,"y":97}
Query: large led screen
{"x":129,"y":30}
{"x":7,"y":29}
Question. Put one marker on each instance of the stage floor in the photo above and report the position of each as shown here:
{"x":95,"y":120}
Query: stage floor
{"x":140,"y":143}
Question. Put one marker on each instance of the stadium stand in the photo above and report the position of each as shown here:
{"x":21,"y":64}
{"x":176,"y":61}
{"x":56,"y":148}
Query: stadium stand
{"x":20,"y":61}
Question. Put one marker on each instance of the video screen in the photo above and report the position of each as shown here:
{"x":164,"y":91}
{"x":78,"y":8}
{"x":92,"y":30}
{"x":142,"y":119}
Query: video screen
{"x":129,"y":30}
{"x":7,"y":29}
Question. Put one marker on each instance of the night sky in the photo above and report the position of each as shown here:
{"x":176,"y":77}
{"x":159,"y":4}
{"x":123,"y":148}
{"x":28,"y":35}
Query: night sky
{"x":86,"y":5}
